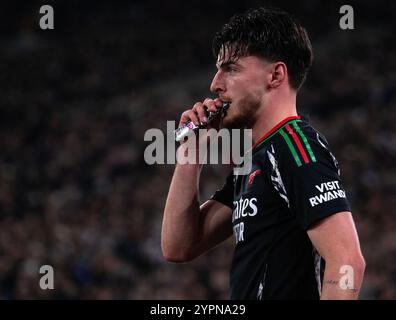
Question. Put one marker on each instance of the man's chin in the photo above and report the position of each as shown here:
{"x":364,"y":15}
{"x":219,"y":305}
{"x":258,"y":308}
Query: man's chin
{"x":232,"y":123}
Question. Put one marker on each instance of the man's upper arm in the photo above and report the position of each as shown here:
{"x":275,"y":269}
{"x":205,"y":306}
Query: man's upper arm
{"x":335,"y":237}
{"x":215,"y":222}
{"x":215,"y":225}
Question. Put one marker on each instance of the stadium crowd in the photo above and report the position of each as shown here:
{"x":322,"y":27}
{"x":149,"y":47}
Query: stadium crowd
{"x":75,"y":191}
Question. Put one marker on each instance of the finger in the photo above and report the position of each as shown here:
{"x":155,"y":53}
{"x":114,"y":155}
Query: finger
{"x":210,"y":104}
{"x":219,"y":103}
{"x":201,"y":112}
{"x":187,"y":116}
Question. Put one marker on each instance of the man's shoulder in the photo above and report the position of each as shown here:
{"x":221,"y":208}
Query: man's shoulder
{"x":297,"y":143}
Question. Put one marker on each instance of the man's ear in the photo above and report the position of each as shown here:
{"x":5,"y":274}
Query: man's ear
{"x":278,"y":74}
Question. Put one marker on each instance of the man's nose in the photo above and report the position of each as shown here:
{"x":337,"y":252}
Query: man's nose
{"x":217,"y":84}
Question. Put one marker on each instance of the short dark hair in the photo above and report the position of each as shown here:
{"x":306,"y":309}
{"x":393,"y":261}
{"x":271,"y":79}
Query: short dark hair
{"x":269,"y":33}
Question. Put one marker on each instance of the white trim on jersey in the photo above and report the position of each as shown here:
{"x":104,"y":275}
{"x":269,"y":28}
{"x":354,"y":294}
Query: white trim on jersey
{"x":276,"y":178}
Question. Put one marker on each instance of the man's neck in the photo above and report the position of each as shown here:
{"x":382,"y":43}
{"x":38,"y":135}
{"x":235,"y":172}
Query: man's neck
{"x":269,"y":120}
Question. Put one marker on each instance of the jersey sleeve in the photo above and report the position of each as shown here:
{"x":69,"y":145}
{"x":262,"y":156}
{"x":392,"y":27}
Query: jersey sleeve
{"x":306,"y":175}
{"x":225,"y":195}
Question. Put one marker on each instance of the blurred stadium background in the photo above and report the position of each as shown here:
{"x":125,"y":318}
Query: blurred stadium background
{"x":75,"y":192}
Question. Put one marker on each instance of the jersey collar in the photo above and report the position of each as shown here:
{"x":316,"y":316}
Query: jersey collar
{"x":274,"y":130}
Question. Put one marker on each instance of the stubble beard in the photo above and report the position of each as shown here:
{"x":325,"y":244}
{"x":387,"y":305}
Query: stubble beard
{"x":244,"y":116}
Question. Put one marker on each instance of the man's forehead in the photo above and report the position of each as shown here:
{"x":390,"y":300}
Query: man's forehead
{"x":226,"y":61}
{"x":243,"y":61}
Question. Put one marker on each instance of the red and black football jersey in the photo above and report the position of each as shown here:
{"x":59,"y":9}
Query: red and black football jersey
{"x":294,"y":182}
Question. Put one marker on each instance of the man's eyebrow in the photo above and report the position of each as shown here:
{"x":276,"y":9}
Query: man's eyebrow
{"x":225,"y":64}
